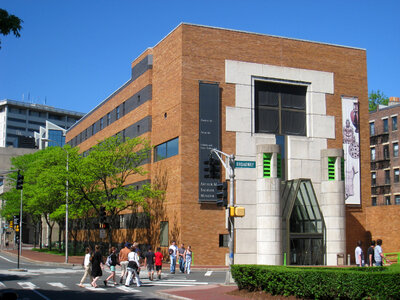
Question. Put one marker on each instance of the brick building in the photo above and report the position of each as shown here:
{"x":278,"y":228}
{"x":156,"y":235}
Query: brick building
{"x":299,"y":109}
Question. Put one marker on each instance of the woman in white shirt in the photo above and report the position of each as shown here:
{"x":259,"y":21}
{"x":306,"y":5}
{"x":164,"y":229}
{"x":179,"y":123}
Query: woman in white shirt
{"x":133,"y":267}
{"x":87,"y":265}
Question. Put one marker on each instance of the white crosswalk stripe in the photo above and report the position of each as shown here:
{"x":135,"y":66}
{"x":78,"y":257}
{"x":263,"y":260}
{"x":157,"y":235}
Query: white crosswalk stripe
{"x":57,"y":284}
{"x":27,"y":285}
{"x":127,"y":289}
{"x":2,"y":285}
{"x":173,"y":282}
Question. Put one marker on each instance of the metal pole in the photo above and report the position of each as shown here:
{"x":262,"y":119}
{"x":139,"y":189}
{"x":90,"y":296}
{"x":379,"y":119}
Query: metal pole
{"x":66,"y":213}
{"x":231,"y":219}
{"x":20,"y":231}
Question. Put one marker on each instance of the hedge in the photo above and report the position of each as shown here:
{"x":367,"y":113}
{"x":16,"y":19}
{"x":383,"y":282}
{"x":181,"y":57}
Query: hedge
{"x":320,"y":282}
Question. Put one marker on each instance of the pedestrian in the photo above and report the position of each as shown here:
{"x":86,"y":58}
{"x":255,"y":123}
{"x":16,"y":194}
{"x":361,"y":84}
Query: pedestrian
{"x":188,"y":259}
{"x":378,"y":255}
{"x":181,"y":251}
{"x":359,"y":255}
{"x":158,"y":261}
{"x":113,"y":261}
{"x":133,"y":267}
{"x":123,"y":260}
{"x":370,"y":254}
{"x":97,"y":265}
{"x":149,"y":262}
{"x":87,"y":266}
{"x":173,"y":249}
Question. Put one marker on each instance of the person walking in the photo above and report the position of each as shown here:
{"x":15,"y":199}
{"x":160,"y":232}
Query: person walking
{"x":149,"y":263}
{"x":378,"y":254}
{"x":123,"y":260}
{"x":97,"y":265}
{"x":158,"y":261}
{"x":359,"y":255}
{"x":181,"y":251}
{"x":188,"y":259}
{"x":133,"y":268}
{"x":370,"y":254}
{"x":88,"y":267}
{"x":113,"y":261}
{"x":173,"y":249}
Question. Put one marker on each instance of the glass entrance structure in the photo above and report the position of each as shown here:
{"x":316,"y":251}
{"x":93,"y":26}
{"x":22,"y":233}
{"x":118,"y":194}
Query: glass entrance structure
{"x":304,"y":232}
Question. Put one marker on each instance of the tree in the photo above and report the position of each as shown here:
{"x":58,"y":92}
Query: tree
{"x":9,"y":23}
{"x":376,"y":98}
{"x":102,"y":178}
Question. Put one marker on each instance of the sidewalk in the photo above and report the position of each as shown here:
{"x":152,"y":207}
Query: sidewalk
{"x":208,"y":292}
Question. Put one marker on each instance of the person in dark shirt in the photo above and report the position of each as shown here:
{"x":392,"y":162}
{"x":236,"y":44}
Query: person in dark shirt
{"x":97,"y":265}
{"x":370,"y":254}
{"x":113,"y":264}
{"x":149,"y":262}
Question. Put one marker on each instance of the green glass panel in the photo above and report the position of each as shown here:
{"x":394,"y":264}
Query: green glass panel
{"x":331,"y":168}
{"x":267,"y":165}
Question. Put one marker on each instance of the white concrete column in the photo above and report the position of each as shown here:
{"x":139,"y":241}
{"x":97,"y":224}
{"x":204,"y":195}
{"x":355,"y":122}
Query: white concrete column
{"x":269,"y":244}
{"x":332,"y":204}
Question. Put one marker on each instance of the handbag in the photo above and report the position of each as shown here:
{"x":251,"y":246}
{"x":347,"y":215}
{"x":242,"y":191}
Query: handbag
{"x":132,"y":264}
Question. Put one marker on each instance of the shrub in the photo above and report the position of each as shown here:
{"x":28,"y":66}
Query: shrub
{"x":320,"y":282}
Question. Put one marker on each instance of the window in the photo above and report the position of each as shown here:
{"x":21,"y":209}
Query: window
{"x":108,"y":119}
{"x":373,"y":202}
{"x":93,"y":128}
{"x":386,"y":151}
{"x":396,"y":175}
{"x":165,"y":150}
{"x":372,"y":128}
{"x":164,"y":234}
{"x":123,"y":109}
{"x":387,"y":200}
{"x":385,"y":125}
{"x":223,"y":240}
{"x":57,"y":138}
{"x":387,"y":176}
{"x":117,"y":113}
{"x":101,"y":124}
{"x":397,"y":199}
{"x":280,"y":108}
{"x":373,"y":178}
{"x":395,"y":149}
{"x":372,"y":153}
{"x":394,"y":123}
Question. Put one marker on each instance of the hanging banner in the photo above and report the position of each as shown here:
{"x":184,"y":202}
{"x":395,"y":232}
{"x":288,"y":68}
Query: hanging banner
{"x":351,"y":148}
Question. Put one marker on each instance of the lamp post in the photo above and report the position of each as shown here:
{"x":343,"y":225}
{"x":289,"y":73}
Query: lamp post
{"x":66,"y":199}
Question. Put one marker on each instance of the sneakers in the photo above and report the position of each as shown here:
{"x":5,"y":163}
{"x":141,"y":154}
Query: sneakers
{"x":120,"y":281}
{"x":159,"y":276}
{"x":105,"y":282}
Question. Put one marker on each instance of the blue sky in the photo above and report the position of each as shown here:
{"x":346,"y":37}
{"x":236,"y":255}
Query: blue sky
{"x":75,"y":53}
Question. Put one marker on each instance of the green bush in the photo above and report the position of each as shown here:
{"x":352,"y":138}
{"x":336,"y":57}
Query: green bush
{"x":320,"y":282}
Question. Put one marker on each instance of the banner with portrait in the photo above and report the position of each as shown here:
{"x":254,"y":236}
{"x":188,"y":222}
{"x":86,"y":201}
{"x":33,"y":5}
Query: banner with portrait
{"x":351,"y":147}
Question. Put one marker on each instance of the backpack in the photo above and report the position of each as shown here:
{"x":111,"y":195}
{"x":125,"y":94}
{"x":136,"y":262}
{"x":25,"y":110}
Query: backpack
{"x":108,"y":261}
{"x":170,"y":251}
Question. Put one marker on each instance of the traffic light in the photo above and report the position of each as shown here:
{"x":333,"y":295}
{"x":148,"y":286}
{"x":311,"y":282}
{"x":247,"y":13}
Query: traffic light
{"x":215,"y":168}
{"x":104,"y":225}
{"x":222,"y":194}
{"x":102,"y":214}
{"x":20,"y":181}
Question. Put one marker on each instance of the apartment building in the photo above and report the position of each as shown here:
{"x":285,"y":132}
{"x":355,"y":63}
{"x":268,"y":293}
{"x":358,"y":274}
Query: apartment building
{"x":297,"y":109}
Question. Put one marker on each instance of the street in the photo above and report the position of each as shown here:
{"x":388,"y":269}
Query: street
{"x":40,"y":281}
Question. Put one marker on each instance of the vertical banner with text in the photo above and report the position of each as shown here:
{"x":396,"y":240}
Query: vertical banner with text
{"x":351,"y":148}
{"x":209,"y":136}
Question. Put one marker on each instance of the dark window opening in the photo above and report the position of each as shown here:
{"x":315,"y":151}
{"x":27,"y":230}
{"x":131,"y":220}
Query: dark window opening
{"x":223,"y":240}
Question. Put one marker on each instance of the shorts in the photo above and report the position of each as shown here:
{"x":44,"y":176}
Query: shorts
{"x":112,"y":268}
{"x":158,"y":268}
{"x":150,"y":267}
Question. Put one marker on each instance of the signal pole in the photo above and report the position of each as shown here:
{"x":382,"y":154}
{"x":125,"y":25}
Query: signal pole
{"x":230,"y":169}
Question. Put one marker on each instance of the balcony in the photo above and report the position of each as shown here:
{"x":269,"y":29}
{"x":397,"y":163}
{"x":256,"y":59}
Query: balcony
{"x":380,"y":164}
{"x":380,"y":189}
{"x":379,"y":138}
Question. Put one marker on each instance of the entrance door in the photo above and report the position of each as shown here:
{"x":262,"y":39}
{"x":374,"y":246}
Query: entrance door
{"x":306,"y":250}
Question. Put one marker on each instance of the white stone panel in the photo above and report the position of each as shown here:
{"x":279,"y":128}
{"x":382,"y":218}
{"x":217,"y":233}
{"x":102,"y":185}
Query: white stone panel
{"x":319,"y":126}
{"x":311,"y":169}
{"x":270,"y":222}
{"x":316,"y":103}
{"x":268,"y":184}
{"x":238,"y":119}
{"x":245,"y":259}
{"x":246,"y":240}
{"x":269,"y":209}
{"x":245,"y":192}
{"x":334,"y":222}
{"x":293,"y":169}
{"x":269,"y":259}
{"x":269,"y":248}
{"x":249,"y":221}
{"x":245,"y":144}
{"x":246,"y":173}
{"x":243,"y":96}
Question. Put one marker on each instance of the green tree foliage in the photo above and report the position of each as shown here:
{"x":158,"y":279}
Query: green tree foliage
{"x":9,"y":23}
{"x":376,"y":98}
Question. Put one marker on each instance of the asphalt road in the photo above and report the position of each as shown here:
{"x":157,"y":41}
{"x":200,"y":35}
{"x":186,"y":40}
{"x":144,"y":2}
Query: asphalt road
{"x":44,"y":282}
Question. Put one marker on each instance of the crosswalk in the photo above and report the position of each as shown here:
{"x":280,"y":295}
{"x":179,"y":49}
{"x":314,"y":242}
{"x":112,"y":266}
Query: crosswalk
{"x":167,"y":282}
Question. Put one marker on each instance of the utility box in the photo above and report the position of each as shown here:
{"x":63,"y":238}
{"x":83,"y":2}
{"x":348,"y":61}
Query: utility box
{"x":236,"y":211}
{"x":340,"y":259}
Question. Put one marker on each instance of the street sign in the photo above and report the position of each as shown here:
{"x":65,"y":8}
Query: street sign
{"x":245,"y":164}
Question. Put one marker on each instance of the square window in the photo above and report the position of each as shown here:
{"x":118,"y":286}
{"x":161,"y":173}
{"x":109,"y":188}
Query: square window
{"x":387,"y":176}
{"x":395,"y":149}
{"x":385,"y":125}
{"x":386,"y":154}
{"x":372,"y":153}
{"x":387,"y":200}
{"x":396,"y":175}
{"x":373,"y":179}
{"x":223,"y":240}
{"x":372,"y":128}
{"x":397,"y":199}
{"x":374,"y":203}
